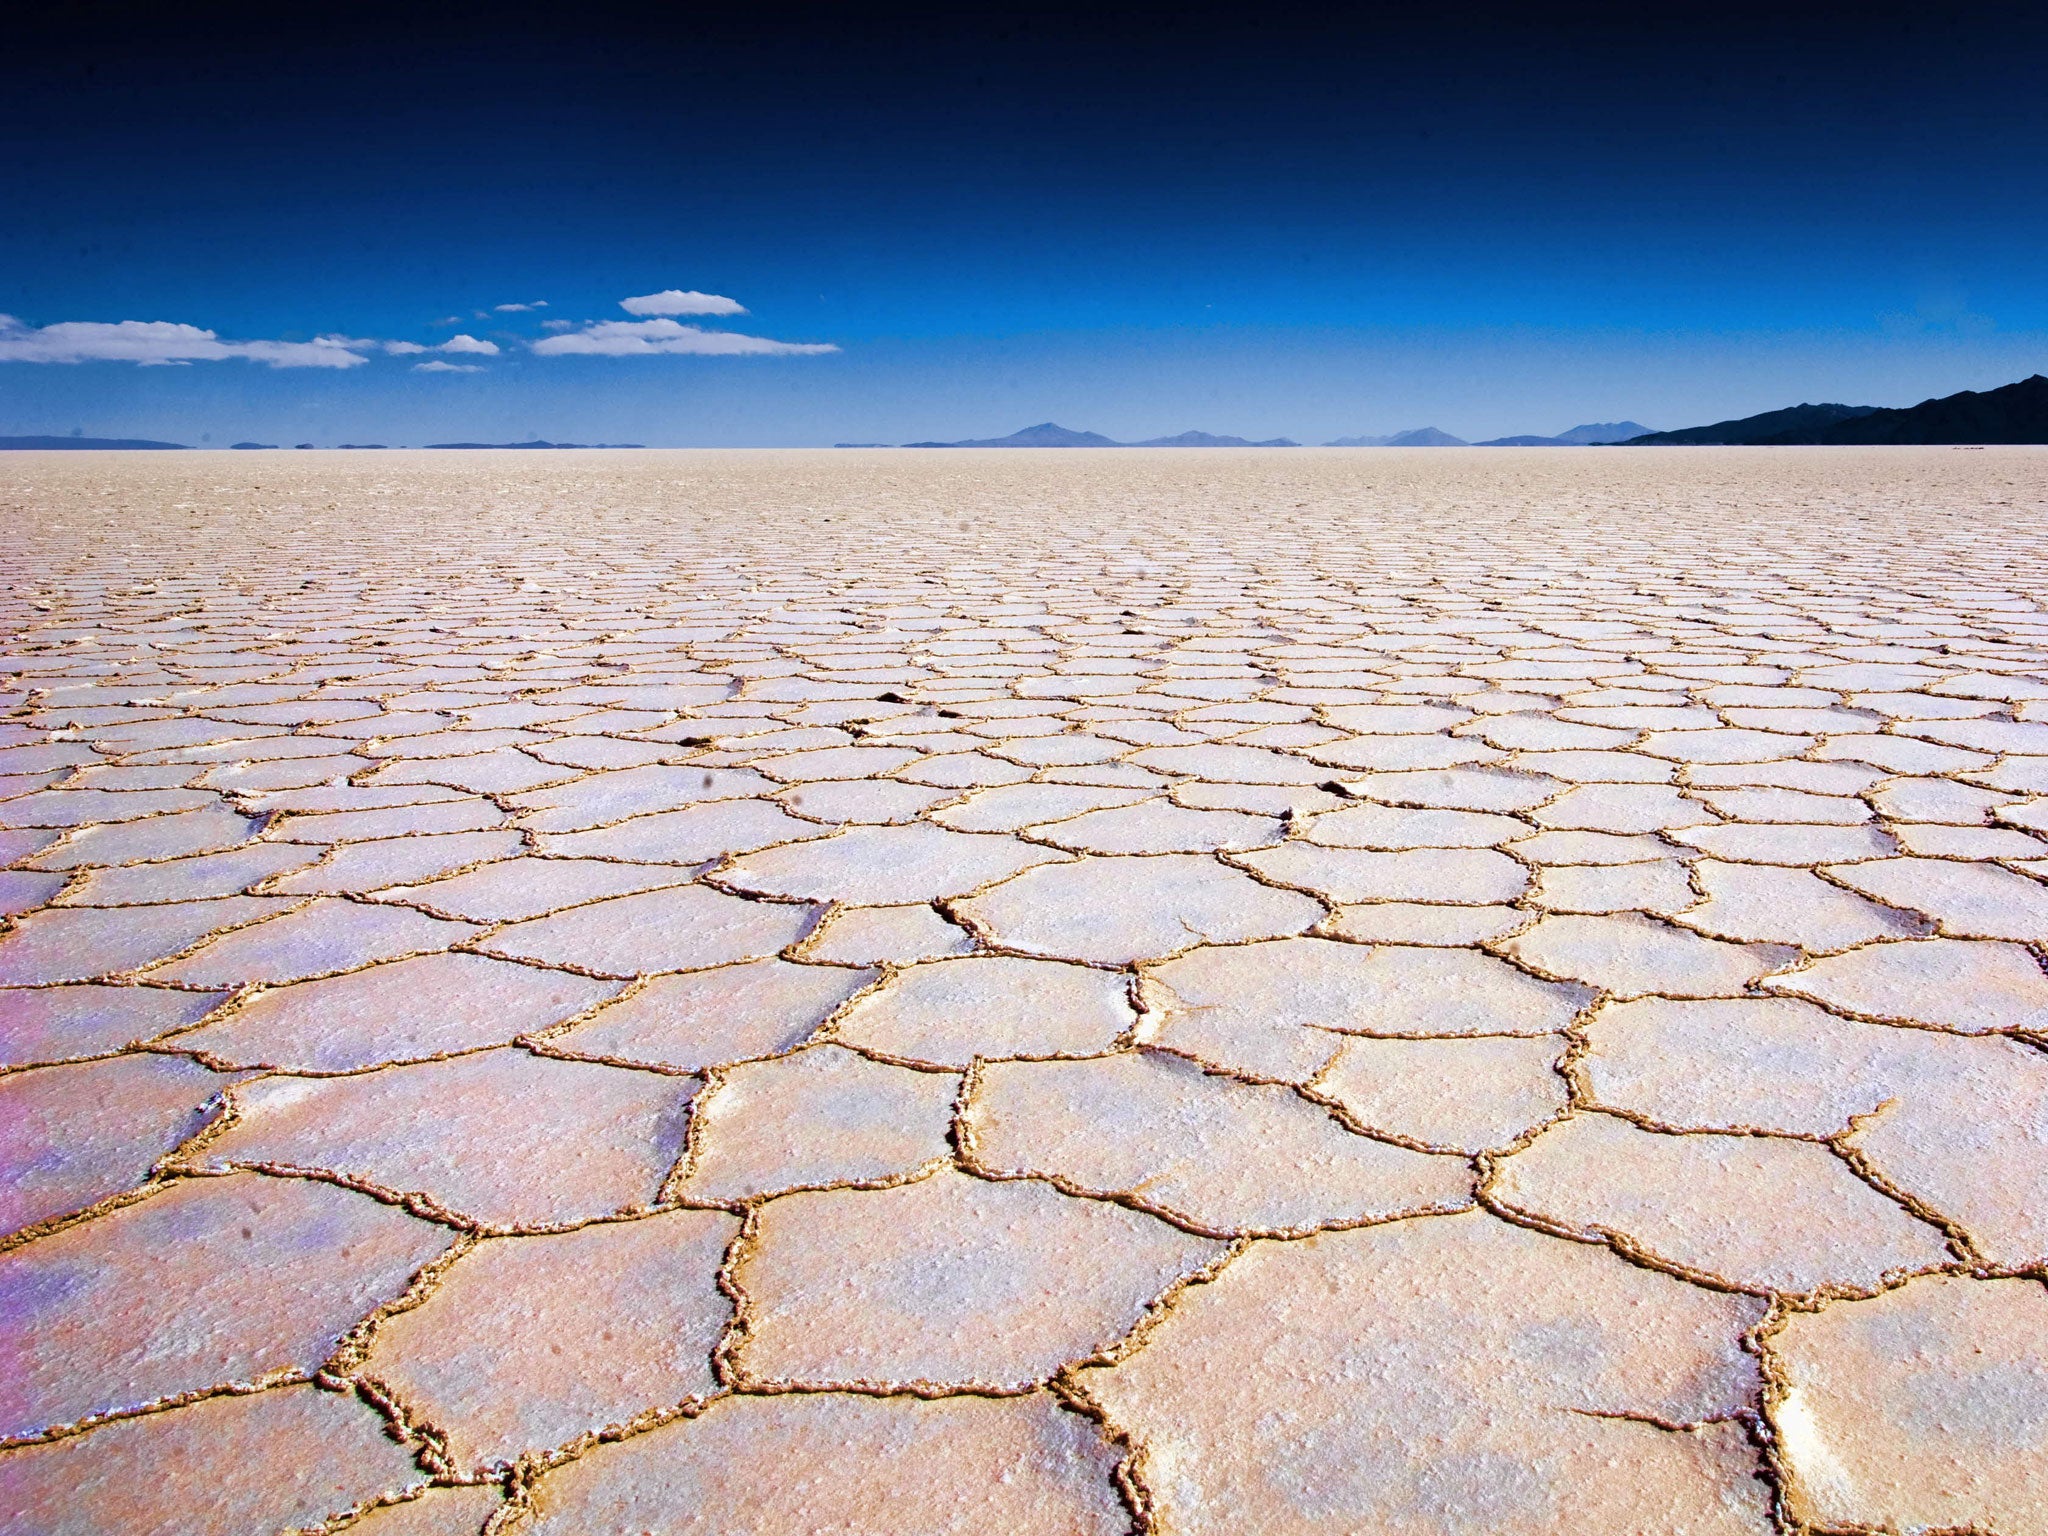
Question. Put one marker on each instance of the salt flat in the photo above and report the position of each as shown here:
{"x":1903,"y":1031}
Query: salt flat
{"x":1409,"y":992}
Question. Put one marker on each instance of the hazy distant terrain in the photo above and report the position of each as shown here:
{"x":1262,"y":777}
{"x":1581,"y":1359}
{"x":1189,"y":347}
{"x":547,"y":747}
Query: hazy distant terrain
{"x":1414,"y":437}
{"x":1049,"y":434}
{"x":80,"y":444}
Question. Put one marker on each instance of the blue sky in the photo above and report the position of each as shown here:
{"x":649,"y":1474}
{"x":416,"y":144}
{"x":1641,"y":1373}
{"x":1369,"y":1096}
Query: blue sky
{"x":1299,"y":222}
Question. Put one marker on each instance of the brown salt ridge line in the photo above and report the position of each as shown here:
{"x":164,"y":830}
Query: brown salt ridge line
{"x":348,"y":1365}
{"x":1305,"y":1088}
{"x":427,"y":1445}
{"x":731,"y":1371}
{"x":1582,"y":1101}
{"x":1629,"y":1248}
{"x":258,"y":887}
{"x":416,"y":1203}
{"x":823,"y":1032}
{"x":685,"y":1165}
{"x":166,"y":1044}
{"x":133,"y":975}
{"x":1349,"y":1119}
{"x":151,"y":1184}
{"x":343,"y":1368}
{"x":1778,"y":1388}
{"x":1132,"y":1489}
{"x":140,"y":1045}
{"x":1960,"y":1242}
{"x":968,"y":1160}
{"x":2038,"y":951}
{"x":987,"y":943}
{"x":282,"y":1376}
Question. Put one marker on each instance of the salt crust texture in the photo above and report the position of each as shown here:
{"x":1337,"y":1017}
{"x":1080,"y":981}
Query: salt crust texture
{"x":1412,"y":993}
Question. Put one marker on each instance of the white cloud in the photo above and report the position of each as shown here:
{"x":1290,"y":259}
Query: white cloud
{"x":458,"y":343}
{"x":558,"y":325}
{"x":678,"y":301}
{"x":647,"y":338}
{"x":517,"y":309}
{"x":161,"y":343}
{"x":437,"y":366}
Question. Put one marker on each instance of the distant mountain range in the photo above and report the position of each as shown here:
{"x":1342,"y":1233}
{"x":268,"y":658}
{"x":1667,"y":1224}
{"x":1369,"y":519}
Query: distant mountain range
{"x":2014,"y":413}
{"x":84,"y":442}
{"x":1047,"y":434}
{"x":1591,"y":434}
{"x":1583,"y":436}
{"x":1050,"y":434}
{"x":1417,"y":437}
{"x":1211,"y":440}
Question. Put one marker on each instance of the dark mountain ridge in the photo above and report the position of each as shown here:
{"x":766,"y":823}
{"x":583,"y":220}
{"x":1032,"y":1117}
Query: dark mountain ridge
{"x":1788,"y":423}
{"x":2013,"y":413}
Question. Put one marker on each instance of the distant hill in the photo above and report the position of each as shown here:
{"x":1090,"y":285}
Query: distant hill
{"x":1417,"y":437}
{"x":1046,"y":434}
{"x":1594,"y":432}
{"x":1211,"y":440}
{"x":252,"y":445}
{"x":1050,"y":434}
{"x":1795,"y":423}
{"x":1586,"y":436}
{"x":2013,"y":413}
{"x":532,"y":445}
{"x":84,"y":442}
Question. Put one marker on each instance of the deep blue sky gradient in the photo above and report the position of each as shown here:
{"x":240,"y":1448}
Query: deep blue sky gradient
{"x":1295,"y":221}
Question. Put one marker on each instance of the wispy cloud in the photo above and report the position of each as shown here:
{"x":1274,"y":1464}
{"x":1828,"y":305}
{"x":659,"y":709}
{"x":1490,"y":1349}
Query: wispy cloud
{"x":518,"y":309}
{"x":558,"y":325}
{"x":649,"y":338}
{"x":164,"y":343}
{"x":680,"y":301}
{"x":437,"y":366}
